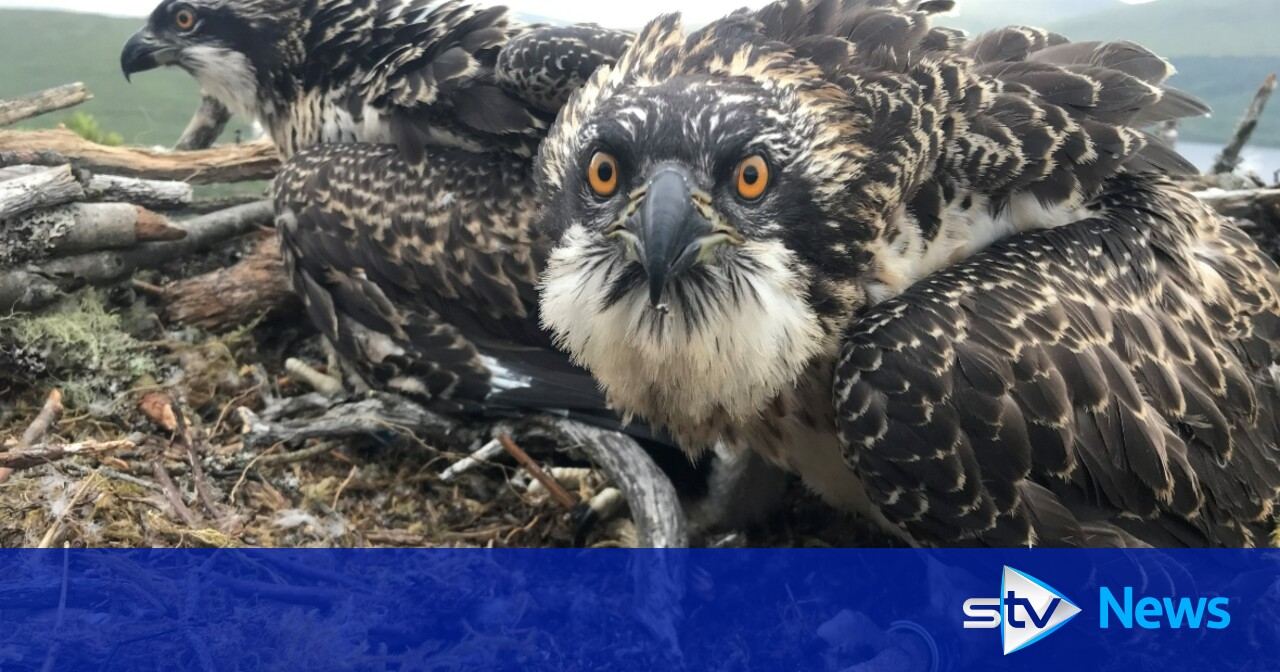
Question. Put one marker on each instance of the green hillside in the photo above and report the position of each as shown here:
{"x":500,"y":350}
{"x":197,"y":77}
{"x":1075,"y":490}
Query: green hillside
{"x":41,"y":49}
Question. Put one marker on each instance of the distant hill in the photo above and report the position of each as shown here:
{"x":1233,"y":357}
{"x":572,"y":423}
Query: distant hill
{"x":1227,"y":84}
{"x":40,"y":49}
{"x":1174,"y":28}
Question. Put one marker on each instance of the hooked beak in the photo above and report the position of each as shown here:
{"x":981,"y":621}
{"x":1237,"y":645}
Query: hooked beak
{"x":670,"y":230}
{"x":144,"y":52}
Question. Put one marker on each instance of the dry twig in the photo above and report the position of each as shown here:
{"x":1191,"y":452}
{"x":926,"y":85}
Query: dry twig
{"x":553,"y":486}
{"x":48,"y":417}
{"x":172,"y":495}
{"x":49,"y":100}
{"x":1230,"y":158}
{"x":256,"y":160}
{"x":35,"y":456}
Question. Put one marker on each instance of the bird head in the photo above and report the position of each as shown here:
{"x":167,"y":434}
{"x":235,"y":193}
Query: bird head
{"x":713,"y":201}
{"x":226,"y":45}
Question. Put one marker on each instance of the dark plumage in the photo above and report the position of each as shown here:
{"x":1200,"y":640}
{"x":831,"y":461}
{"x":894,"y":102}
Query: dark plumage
{"x":943,"y":279}
{"x":404,"y":209}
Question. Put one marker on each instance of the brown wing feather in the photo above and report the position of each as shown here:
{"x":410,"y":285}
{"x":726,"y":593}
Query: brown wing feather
{"x":1121,"y":369}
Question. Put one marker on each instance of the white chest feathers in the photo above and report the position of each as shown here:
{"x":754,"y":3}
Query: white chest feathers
{"x":755,"y":336}
{"x":226,"y":75}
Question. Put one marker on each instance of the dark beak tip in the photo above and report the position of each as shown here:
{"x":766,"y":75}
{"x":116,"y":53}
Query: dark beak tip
{"x":138,"y":55}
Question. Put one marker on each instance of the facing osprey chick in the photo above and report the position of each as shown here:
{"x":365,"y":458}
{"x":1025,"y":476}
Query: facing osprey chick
{"x":733,"y":207}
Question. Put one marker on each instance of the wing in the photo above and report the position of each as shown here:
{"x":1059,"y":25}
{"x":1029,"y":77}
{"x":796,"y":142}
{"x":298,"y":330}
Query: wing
{"x":544,"y":66}
{"x":422,"y":278}
{"x":1019,"y":116}
{"x":429,"y":74}
{"x":1109,"y":382}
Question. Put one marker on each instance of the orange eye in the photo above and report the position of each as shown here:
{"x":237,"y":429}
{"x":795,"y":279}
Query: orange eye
{"x":603,"y":174}
{"x":752,"y":177}
{"x":185,"y":19}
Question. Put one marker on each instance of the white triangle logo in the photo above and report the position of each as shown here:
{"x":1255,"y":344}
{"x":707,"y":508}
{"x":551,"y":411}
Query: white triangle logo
{"x":1031,"y":610}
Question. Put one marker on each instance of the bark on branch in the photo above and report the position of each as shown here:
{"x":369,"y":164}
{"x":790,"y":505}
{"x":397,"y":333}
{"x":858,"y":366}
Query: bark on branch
{"x":369,"y":416}
{"x":30,"y":289}
{"x":256,"y":160}
{"x":154,"y":194}
{"x":232,"y":297}
{"x":44,"y":188}
{"x":49,"y":100}
{"x":44,"y":454}
{"x":1230,"y":159}
{"x":80,"y":227}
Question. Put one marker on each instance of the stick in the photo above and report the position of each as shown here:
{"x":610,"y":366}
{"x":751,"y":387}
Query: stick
{"x":204,"y":206}
{"x":172,"y":495}
{"x":1254,"y":204}
{"x":1230,"y":159}
{"x":154,"y":194}
{"x":48,"y":417}
{"x":277,"y":592}
{"x":190,"y":611}
{"x":379,"y":414}
{"x":23,"y":290}
{"x":256,"y":160}
{"x":557,"y":491}
{"x":486,"y":452}
{"x":206,"y":125}
{"x":44,"y":189}
{"x":49,"y":100}
{"x":62,"y":611}
{"x":232,"y":297}
{"x":112,"y":474}
{"x":44,"y":454}
{"x":655,"y":506}
{"x":79,"y":228}
{"x":33,"y":157}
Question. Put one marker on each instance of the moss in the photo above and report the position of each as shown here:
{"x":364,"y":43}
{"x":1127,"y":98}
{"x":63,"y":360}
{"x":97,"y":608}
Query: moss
{"x":81,"y":346}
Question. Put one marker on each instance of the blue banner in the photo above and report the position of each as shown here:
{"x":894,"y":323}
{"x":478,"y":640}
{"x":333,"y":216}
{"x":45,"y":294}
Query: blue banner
{"x":856,"y":610}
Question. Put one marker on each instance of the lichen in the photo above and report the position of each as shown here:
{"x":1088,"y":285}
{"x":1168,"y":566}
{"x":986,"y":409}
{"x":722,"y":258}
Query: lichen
{"x":81,"y":347}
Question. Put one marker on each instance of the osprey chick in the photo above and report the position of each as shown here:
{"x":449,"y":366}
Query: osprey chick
{"x":413,"y":73}
{"x":941,"y":279}
{"x":415,"y":259}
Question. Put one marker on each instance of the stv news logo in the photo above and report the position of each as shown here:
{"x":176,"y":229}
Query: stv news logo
{"x":1027,"y":610}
